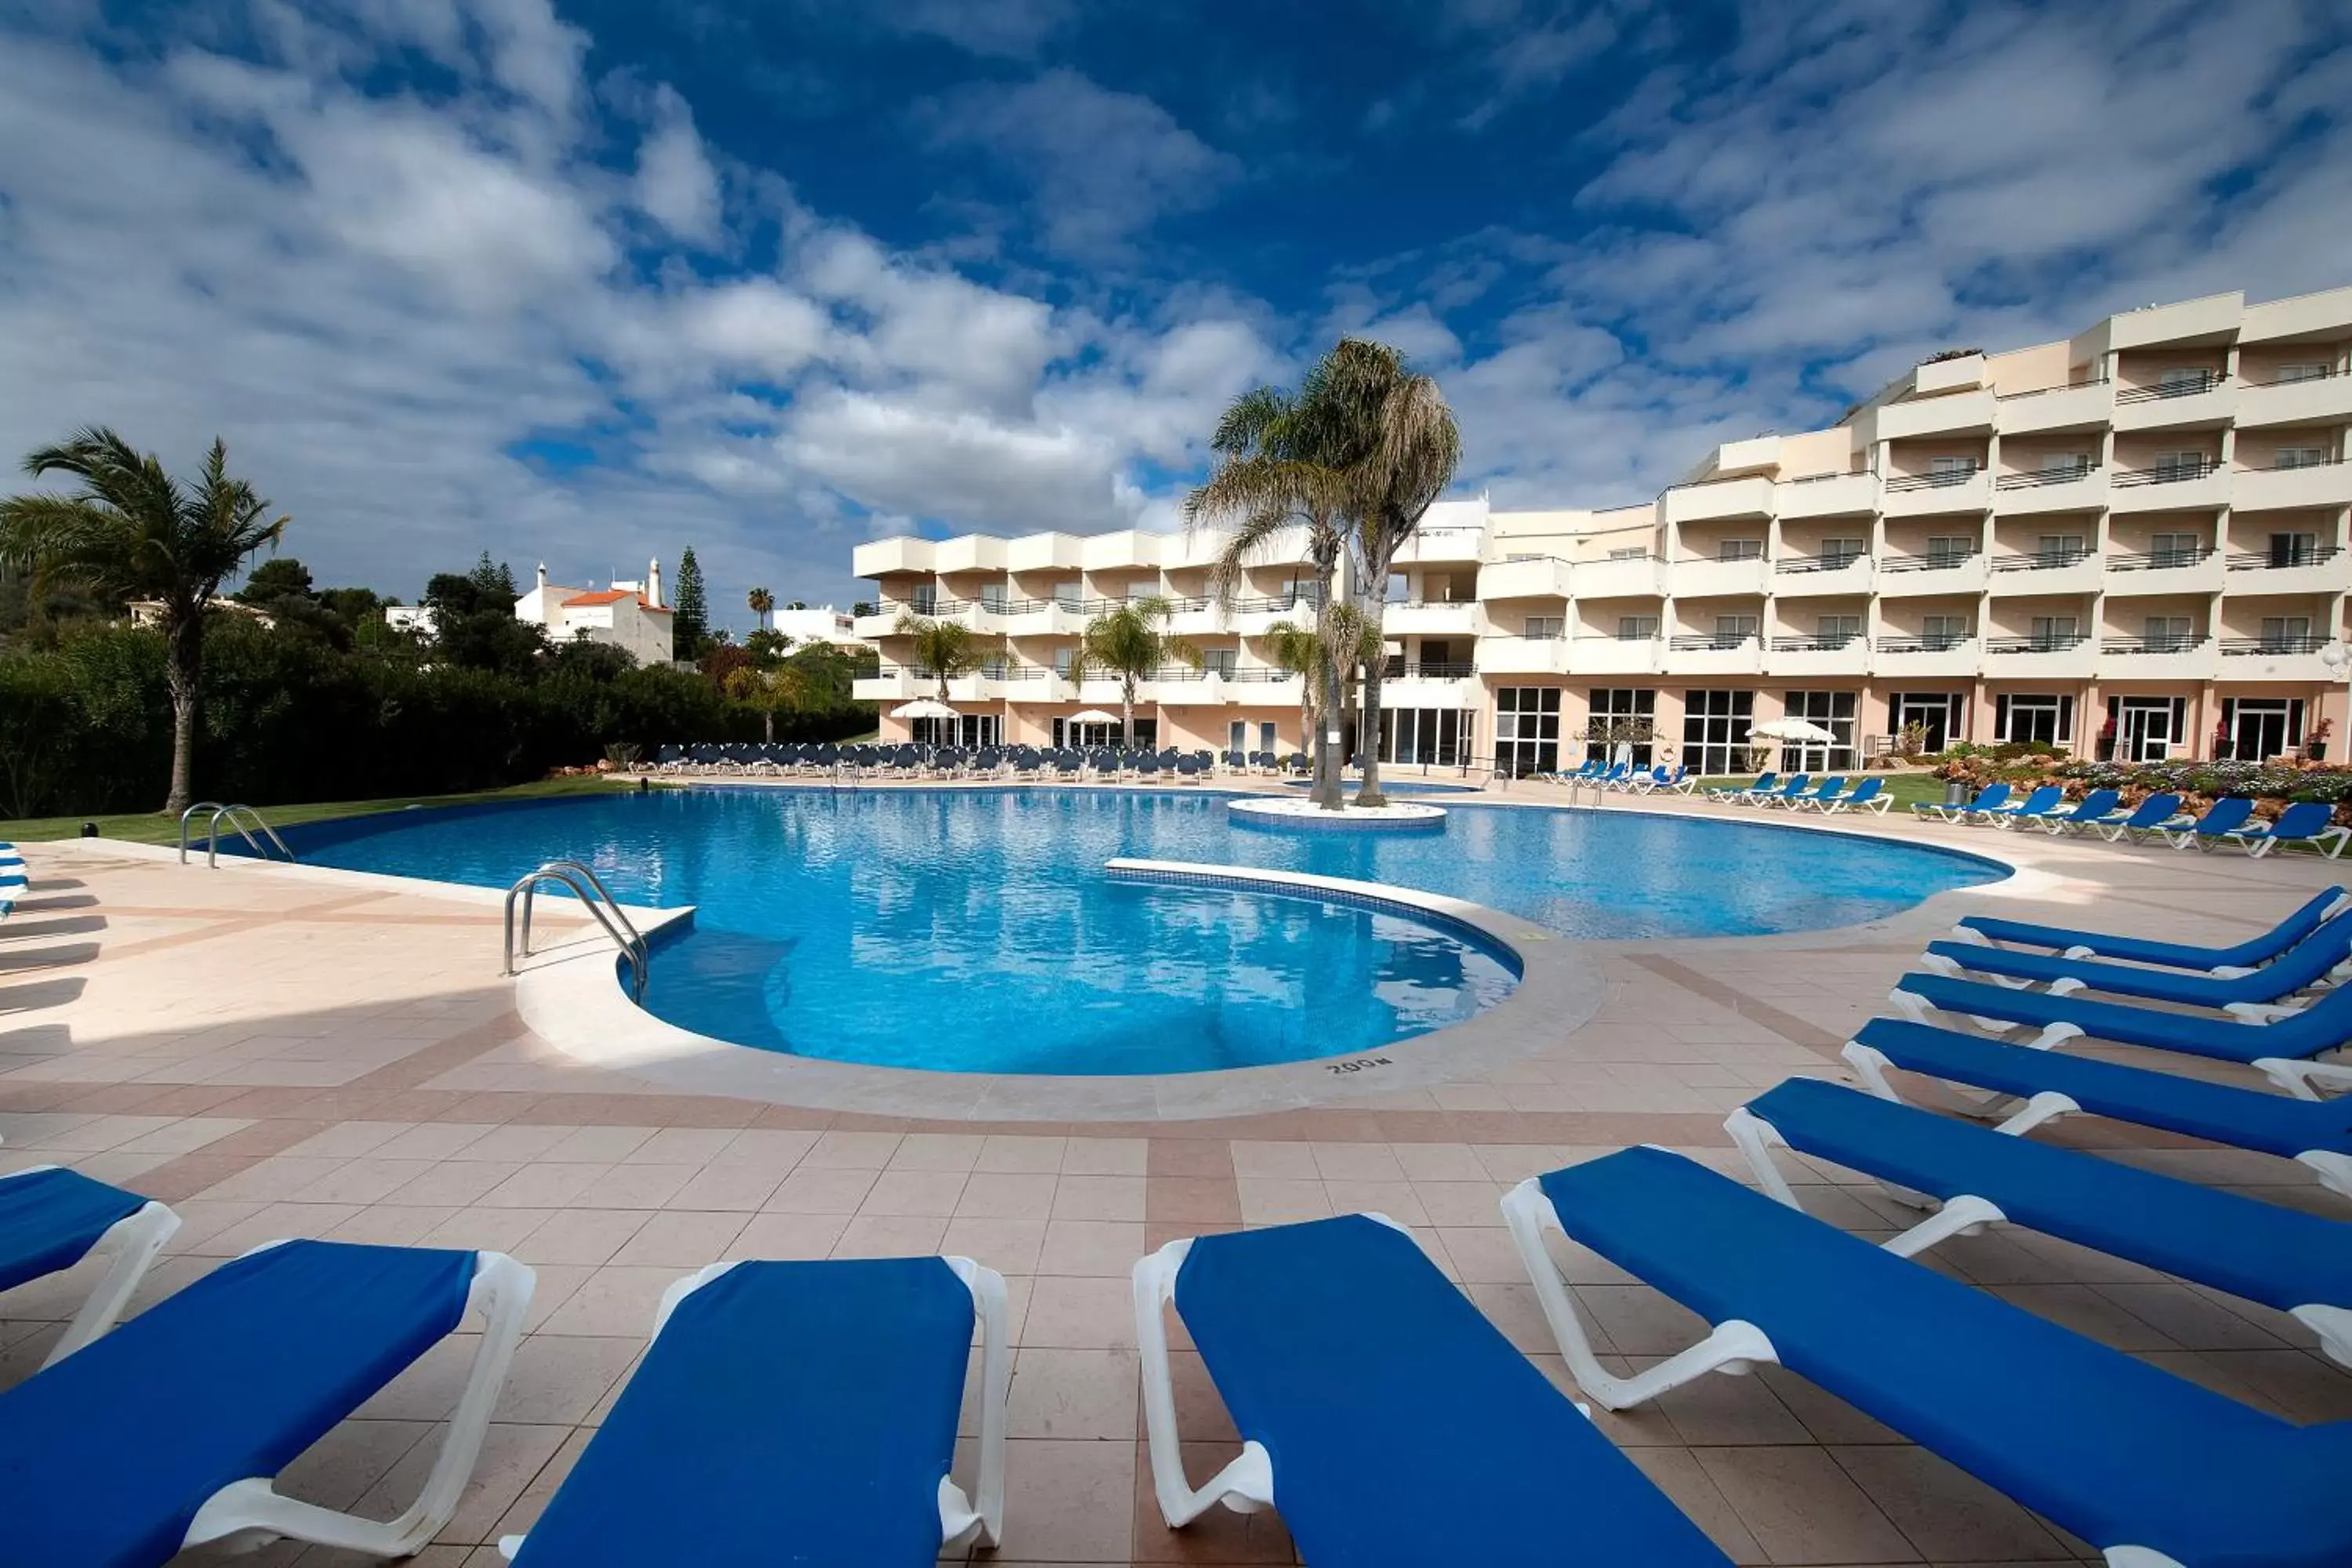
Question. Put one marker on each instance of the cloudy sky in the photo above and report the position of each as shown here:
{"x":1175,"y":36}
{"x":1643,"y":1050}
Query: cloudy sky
{"x":596,"y":281}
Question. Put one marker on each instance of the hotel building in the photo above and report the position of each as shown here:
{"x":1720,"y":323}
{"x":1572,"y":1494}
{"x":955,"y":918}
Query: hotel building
{"x":2131,"y":542}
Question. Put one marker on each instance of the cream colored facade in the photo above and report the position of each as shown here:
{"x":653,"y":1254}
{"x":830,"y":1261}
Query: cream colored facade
{"x":2128,"y":543}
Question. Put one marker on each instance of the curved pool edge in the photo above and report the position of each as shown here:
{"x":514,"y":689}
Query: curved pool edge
{"x":575,"y":1003}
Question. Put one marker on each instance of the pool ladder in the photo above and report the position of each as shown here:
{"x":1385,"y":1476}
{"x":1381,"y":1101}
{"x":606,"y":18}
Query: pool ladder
{"x":237,"y":817}
{"x":590,"y":889}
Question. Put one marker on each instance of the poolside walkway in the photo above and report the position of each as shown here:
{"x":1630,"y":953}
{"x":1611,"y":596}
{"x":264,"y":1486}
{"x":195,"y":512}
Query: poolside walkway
{"x":283,"y":1051}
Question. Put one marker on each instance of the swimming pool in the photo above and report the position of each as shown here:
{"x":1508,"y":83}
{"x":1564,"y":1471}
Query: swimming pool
{"x":973,"y":930}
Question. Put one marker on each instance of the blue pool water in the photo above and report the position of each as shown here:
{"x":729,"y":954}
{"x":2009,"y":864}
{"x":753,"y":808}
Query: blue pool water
{"x":974,"y":930}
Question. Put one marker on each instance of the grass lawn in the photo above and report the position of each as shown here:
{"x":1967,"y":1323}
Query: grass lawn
{"x":154,"y":827}
{"x":1902,"y":789}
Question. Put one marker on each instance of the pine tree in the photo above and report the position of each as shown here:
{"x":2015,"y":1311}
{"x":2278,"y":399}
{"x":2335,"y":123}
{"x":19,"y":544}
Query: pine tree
{"x":691,"y":621}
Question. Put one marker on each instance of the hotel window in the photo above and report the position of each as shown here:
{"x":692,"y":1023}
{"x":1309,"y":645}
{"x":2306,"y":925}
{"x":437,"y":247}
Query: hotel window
{"x":1950,"y":549}
{"x":1237,"y":735}
{"x":2287,"y":634}
{"x":1527,"y":730}
{"x":1636,"y":629}
{"x":2061,"y":549}
{"x":2259,"y":728}
{"x":1062,"y":657}
{"x":1836,"y":631}
{"x":1730,"y":631}
{"x":1939,"y":632}
{"x":1939,"y":713}
{"x":1715,"y":726}
{"x":1069,"y":595}
{"x":1636,"y":710}
{"x":991,"y":597}
{"x":2044,"y":720}
{"x":2186,"y":380}
{"x":1838,"y":552}
{"x":2306,"y":370}
{"x":2057,"y":465}
{"x":2173,"y":467}
{"x":1740,"y":550}
{"x":2175,"y":549}
{"x":925,"y":599}
{"x":1545,"y":627}
{"x":1436,"y":737}
{"x":1832,"y":711}
{"x":2295,"y":548}
{"x":1218,"y":661}
{"x":2052,"y":633}
{"x":2299,"y":457}
{"x":2166,"y":633}
{"x":1629,"y":552}
{"x":1951,"y":470}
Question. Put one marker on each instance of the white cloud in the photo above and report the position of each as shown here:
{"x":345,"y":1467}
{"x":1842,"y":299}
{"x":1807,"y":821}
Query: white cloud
{"x":676,"y":183}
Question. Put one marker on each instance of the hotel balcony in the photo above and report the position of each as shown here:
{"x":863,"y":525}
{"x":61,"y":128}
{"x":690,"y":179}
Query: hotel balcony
{"x":1814,"y":576}
{"x":2317,"y":571}
{"x":2088,"y":406}
{"x":1707,"y":579}
{"x":1544,"y":577}
{"x":1827,"y":495}
{"x":1899,"y":657}
{"x":2174,"y":486}
{"x":1503,"y":655}
{"x":2323,"y":484}
{"x":2158,"y":658}
{"x":1430,"y":685}
{"x":1818,"y":655}
{"x":2072,"y":657}
{"x":1423,"y":618}
{"x":882,"y":623}
{"x":1261,"y":686}
{"x":1248,"y":615}
{"x":1443,"y":545}
{"x":1958,"y":414}
{"x":1628,"y":577}
{"x":1041,"y":618}
{"x":1924,"y":494}
{"x":2062,"y":571}
{"x":2198,"y":571}
{"x":2201,"y":404}
{"x":2275,"y":658}
{"x":1181,"y":686}
{"x":2058,"y":489}
{"x":2311,"y":400}
{"x":1914,"y":576}
{"x":891,"y":557}
{"x":1715,"y":653}
{"x":890,"y":686}
{"x":1719,"y":499}
{"x":1593,"y":655}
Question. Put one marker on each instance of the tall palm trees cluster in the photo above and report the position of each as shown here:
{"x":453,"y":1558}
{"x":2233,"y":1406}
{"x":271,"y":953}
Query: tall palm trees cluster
{"x":1355,"y":456}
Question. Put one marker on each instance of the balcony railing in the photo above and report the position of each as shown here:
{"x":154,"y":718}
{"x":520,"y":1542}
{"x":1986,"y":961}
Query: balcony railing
{"x":1937,"y":642}
{"x":2048,"y":642}
{"x":1696,"y":642}
{"x":2169,"y":643}
{"x":2042,"y":559}
{"x":1823,"y":478}
{"x":2267,"y":561}
{"x":1830,"y":642}
{"x":2041,"y":476}
{"x":2185,"y":386}
{"x":2046,"y":390}
{"x":2165,"y":473}
{"x":2286,"y":463}
{"x":1943,"y":478}
{"x":2274,"y":645}
{"x":1942,"y":561}
{"x":1837,"y":562}
{"x":2160,"y":560}
{"x":2324,"y":372}
{"x":1432,"y":669}
{"x":1260,"y":672}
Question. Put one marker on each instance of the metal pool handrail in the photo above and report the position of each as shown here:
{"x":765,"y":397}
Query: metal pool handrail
{"x":212,"y":831}
{"x":590,"y":889}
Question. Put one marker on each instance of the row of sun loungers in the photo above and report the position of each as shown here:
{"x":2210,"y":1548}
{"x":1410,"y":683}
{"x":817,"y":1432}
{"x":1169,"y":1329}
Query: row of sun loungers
{"x":1025,"y":762}
{"x":1626,"y":777}
{"x":1801,"y":792}
{"x":809,"y":1411}
{"x":2229,"y":822}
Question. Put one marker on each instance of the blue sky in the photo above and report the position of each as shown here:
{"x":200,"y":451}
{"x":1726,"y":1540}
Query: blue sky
{"x":589,"y":282}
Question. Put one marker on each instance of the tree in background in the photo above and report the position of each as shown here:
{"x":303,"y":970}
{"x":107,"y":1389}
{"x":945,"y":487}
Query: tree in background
{"x":133,"y":531}
{"x":690,"y":620}
{"x":943,"y":649}
{"x":763,"y":604}
{"x":780,"y":688}
{"x":863,"y":608}
{"x":275,"y":578}
{"x":1130,"y":645}
{"x":475,"y":624}
{"x":797,"y":605}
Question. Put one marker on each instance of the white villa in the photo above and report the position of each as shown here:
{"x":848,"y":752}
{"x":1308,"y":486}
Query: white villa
{"x":626,"y":616}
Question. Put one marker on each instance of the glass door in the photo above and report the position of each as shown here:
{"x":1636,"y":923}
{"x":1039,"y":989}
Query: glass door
{"x":2146,"y":727}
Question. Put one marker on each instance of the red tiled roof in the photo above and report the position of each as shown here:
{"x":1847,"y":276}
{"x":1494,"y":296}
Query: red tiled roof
{"x":614,"y":596}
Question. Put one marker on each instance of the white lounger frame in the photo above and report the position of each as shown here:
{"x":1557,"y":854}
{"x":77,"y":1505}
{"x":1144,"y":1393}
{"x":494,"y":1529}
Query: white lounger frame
{"x":249,"y":1509}
{"x":961,"y":1520}
{"x":131,"y":1245}
{"x":1969,"y":1213}
{"x":2302,"y":1076}
{"x":1734,"y":1347}
{"x":1246,"y":1485}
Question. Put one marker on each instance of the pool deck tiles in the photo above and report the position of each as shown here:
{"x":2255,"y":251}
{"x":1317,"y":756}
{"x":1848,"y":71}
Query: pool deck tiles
{"x":284,"y":1052}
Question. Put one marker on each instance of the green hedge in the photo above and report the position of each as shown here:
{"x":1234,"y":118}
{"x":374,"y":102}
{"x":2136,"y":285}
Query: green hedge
{"x":86,"y":728}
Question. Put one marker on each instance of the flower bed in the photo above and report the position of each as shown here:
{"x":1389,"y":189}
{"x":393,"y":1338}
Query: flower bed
{"x":2274,"y":784}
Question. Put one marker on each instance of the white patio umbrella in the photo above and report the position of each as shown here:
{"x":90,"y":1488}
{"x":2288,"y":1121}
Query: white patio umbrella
{"x":1093,"y":716}
{"x":1791,"y":730}
{"x":924,"y":707}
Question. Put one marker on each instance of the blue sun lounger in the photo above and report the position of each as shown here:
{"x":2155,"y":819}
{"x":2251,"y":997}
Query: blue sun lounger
{"x":1764,"y":783}
{"x":2046,"y":1085}
{"x":1991,"y":796}
{"x":2281,"y":1050}
{"x":2223,"y":818}
{"x":2259,"y":950}
{"x":2092,"y":809}
{"x":51,"y":1219}
{"x":2305,"y":822}
{"x":163,"y":1434}
{"x":2299,"y":1263}
{"x":2042,"y":803}
{"x":1391,"y":1424}
{"x":793,"y":1413}
{"x":1870,"y":795}
{"x":2146,"y":1466}
{"x":2325,"y":954}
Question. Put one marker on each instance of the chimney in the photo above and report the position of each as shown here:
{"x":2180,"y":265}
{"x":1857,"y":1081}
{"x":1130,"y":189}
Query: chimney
{"x":543,"y":576}
{"x":653,"y":584}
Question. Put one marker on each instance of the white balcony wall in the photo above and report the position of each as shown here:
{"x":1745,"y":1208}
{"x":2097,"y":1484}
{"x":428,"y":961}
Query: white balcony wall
{"x":1708,"y":579}
{"x":2326,"y":401}
{"x":1957,"y":662}
{"x":882,"y":557}
{"x":2193,"y":410}
{"x":2265,"y":490}
{"x":1460,"y":619}
{"x":2076,"y":663}
{"x":1444,"y":545}
{"x":2330,"y":576}
{"x":2086,"y":494}
{"x":1961,"y":577}
{"x":2084,"y":407}
{"x":2202,"y":662}
{"x":1837,"y":495}
{"x":1959,"y":414}
{"x":1973,"y":494}
{"x":2307,"y":669}
{"x":1543,"y":578}
{"x":2210,"y":575}
{"x":1848,"y":581}
{"x":2127,"y":493}
{"x":2083,"y":576}
{"x":1719,"y":499}
{"x":1853,"y":660}
{"x":1501,"y":656}
{"x":1616,"y":656}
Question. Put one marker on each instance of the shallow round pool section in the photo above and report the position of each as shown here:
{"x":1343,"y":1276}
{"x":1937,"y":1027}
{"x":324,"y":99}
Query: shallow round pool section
{"x":977,"y":931}
{"x":1287,"y":814}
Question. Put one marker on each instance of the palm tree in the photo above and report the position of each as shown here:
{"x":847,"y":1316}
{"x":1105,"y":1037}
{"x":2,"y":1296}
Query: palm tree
{"x":944,"y":648}
{"x":1284,"y":461}
{"x":135,"y":532}
{"x":1405,"y":449}
{"x":1130,"y":644}
{"x":786,"y":686}
{"x":1298,"y":650}
{"x":762,"y":603}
